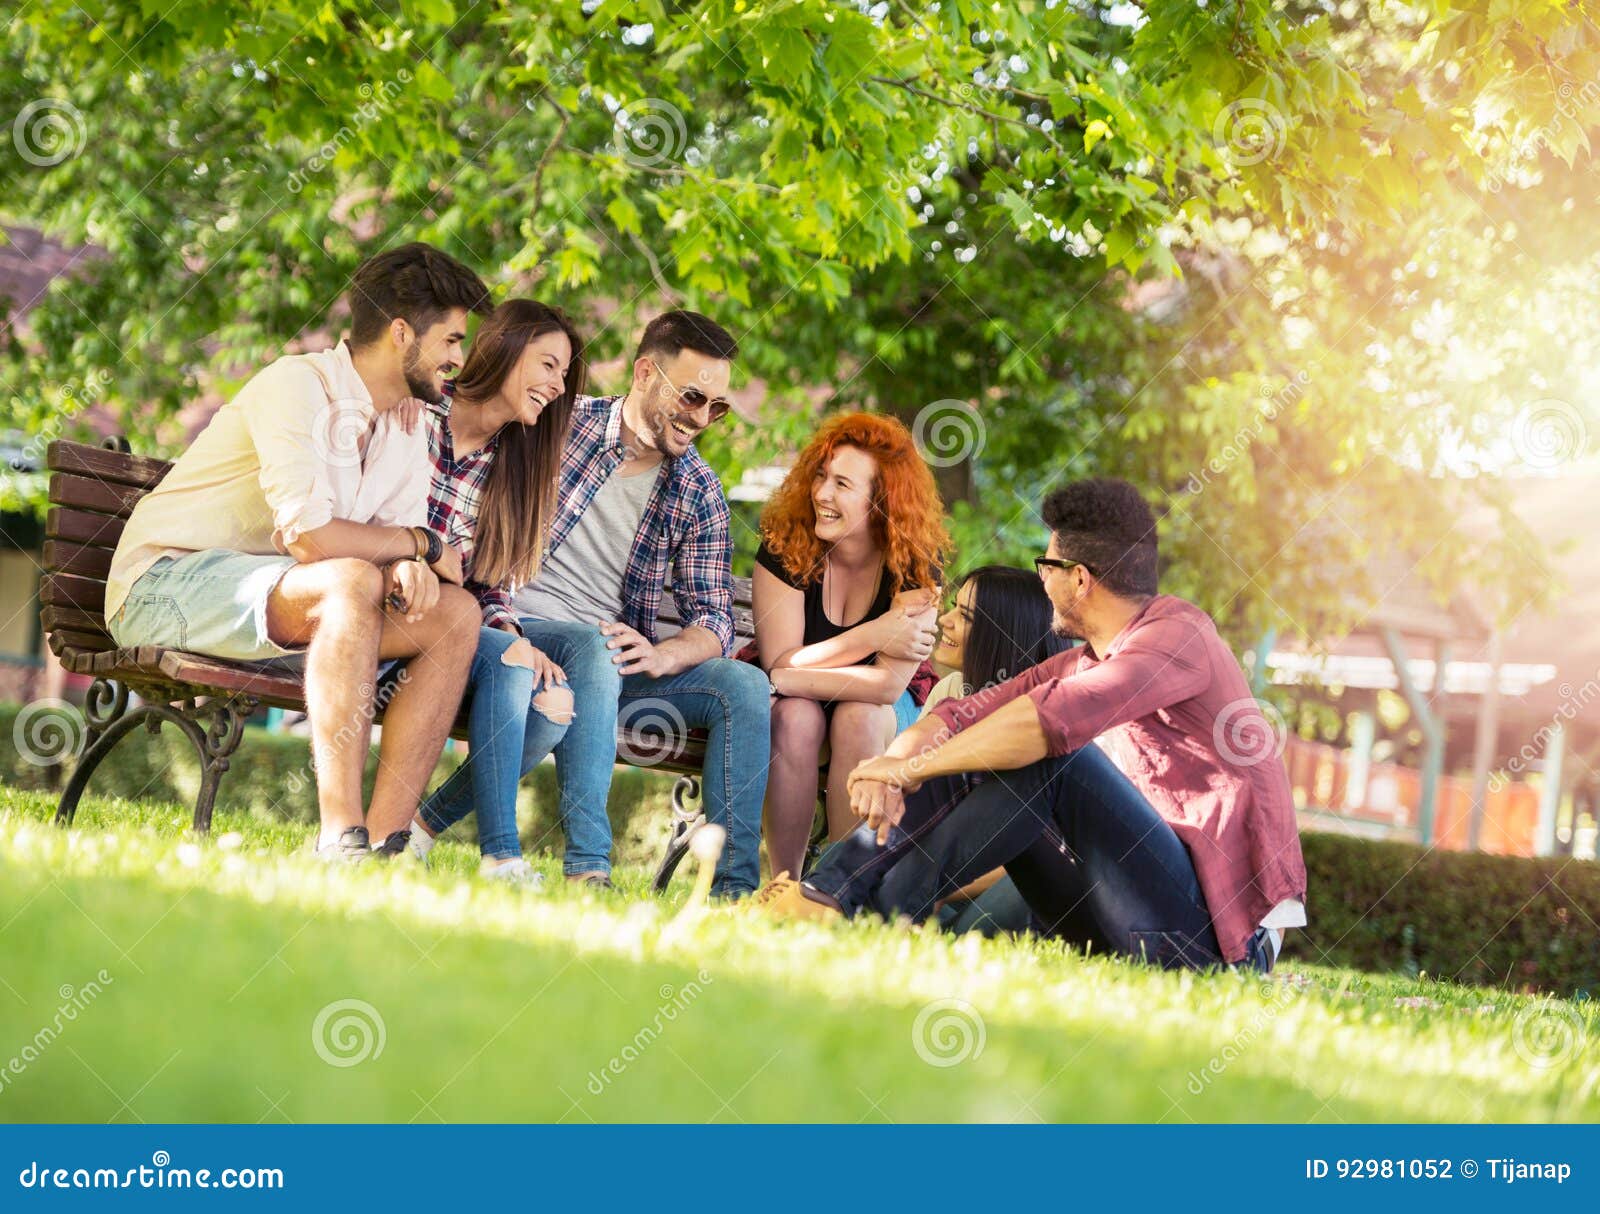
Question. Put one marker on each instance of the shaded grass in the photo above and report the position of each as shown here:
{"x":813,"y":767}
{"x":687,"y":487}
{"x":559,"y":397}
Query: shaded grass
{"x":219,"y":957}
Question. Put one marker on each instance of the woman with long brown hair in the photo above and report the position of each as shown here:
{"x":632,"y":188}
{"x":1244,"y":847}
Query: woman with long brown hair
{"x":845,"y":592}
{"x":496,"y":450}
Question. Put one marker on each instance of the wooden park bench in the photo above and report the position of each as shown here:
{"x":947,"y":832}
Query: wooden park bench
{"x":92,"y":492}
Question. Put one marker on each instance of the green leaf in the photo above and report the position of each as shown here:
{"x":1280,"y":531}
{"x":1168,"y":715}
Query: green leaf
{"x":1119,"y":245}
{"x":1017,"y":208}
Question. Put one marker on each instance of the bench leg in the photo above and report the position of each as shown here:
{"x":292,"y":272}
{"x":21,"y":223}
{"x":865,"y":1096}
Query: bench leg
{"x":686,"y":819}
{"x":222,"y":738}
{"x":109,"y":721}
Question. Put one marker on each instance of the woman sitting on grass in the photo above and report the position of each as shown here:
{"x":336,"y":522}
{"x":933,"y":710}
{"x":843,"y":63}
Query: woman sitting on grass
{"x":497,"y":453}
{"x":999,"y":626}
{"x":846,"y":583}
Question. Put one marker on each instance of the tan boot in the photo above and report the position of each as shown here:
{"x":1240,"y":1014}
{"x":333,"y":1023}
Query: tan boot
{"x":785,"y":898}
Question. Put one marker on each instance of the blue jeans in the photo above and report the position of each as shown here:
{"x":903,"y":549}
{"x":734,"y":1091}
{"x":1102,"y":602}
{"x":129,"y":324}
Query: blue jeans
{"x":730,"y":700}
{"x":1000,"y":908}
{"x":1093,"y":860}
{"x":508,"y":738}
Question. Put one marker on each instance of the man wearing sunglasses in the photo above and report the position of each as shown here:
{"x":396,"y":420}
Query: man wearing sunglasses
{"x":1173,"y":839}
{"x":637,"y":504}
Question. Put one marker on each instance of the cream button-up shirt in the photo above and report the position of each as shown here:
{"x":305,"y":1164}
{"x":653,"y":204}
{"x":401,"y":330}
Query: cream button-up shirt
{"x":299,"y":445}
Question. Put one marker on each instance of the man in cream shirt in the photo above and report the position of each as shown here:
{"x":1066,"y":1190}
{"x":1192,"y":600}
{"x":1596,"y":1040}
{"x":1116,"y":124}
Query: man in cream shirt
{"x":292,"y":531}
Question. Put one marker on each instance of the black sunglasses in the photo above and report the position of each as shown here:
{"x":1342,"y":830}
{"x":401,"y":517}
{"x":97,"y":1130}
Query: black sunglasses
{"x":1041,"y":563}
{"x":693,"y":399}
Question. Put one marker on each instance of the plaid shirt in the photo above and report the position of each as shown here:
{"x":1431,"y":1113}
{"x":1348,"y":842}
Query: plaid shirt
{"x":453,"y":507}
{"x":684,"y":528}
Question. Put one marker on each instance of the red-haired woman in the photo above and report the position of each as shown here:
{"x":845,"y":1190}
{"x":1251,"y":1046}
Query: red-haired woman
{"x":845,"y":593}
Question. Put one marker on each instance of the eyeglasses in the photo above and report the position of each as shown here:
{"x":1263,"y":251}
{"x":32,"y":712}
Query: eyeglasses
{"x":692,"y":398}
{"x":1041,"y":563}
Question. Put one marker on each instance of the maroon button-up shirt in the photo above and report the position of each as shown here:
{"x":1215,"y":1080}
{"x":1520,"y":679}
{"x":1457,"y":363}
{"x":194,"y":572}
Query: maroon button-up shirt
{"x":1170,"y":704}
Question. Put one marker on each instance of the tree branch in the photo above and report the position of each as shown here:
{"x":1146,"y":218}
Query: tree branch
{"x":676,"y":173}
{"x":662,"y":285}
{"x":957,"y":103}
{"x":537,"y":189}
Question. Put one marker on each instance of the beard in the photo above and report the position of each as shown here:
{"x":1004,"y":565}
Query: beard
{"x":659,"y":423}
{"x":1067,"y":625}
{"x":418,"y":382}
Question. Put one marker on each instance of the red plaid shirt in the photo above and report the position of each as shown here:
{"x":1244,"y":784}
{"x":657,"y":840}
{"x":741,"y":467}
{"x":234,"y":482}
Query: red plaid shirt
{"x":453,"y":507}
{"x":1173,"y":709}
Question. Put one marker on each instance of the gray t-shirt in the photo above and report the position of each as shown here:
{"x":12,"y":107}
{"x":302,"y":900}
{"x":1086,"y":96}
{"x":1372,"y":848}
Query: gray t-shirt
{"x":581,"y":582}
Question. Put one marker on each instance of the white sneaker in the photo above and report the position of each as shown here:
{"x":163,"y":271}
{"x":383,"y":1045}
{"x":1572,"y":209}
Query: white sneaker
{"x":420,"y":845}
{"x":519,"y":873}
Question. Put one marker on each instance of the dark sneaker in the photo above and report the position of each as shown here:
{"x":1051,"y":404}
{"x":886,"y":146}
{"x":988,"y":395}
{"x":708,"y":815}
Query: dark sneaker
{"x":352,"y":847}
{"x":394,"y":845}
{"x":594,"y":880}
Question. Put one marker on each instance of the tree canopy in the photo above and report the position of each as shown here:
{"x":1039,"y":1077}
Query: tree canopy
{"x":1248,"y":253}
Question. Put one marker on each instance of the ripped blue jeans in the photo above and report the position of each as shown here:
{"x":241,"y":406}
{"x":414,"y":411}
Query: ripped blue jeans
{"x":509,"y":735}
{"x":730,"y":700}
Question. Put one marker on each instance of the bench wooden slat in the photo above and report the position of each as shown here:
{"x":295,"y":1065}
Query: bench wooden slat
{"x":81,"y":527}
{"x":106,"y":661}
{"x":73,"y":619}
{"x":688,"y":755}
{"x":227,"y":676}
{"x":141,"y":471}
{"x":76,"y":662}
{"x":69,"y":590}
{"x":744,"y":623}
{"x":86,"y":493}
{"x":62,"y":557}
{"x":64,"y":639}
{"x":138,"y":665}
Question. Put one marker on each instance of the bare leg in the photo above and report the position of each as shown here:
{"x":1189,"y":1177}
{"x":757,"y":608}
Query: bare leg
{"x":860,"y":731}
{"x":417,"y":718}
{"x":332,"y":607}
{"x":798,"y":727}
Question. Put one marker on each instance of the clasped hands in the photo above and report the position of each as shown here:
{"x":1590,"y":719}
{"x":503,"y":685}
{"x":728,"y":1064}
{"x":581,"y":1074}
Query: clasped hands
{"x":877,"y":792}
{"x":909,"y":629}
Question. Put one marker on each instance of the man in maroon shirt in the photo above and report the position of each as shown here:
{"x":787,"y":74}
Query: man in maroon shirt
{"x":1131,"y":786}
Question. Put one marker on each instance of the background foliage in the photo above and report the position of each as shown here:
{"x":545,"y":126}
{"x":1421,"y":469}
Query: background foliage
{"x":1281,"y":263}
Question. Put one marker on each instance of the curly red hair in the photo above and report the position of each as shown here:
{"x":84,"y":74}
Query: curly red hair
{"x":907,"y":512}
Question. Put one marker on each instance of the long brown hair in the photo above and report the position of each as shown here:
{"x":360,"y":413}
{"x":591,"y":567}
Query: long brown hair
{"x":519,"y":498}
{"x":907,"y":513}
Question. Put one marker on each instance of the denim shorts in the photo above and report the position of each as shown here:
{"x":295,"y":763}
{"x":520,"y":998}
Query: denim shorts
{"x":211,"y":602}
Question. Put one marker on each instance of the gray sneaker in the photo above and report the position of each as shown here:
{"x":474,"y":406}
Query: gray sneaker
{"x":352,"y":847}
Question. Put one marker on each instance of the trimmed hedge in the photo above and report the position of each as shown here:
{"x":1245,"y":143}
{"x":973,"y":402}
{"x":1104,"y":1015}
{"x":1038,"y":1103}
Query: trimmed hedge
{"x":1490,"y":920}
{"x":1502,"y":921}
{"x":270,"y":776}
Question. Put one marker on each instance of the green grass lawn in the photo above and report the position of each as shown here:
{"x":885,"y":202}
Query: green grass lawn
{"x":238,"y":975}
